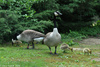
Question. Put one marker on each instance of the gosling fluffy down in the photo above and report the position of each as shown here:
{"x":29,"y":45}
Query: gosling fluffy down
{"x":65,"y":46}
{"x":87,"y":51}
{"x":16,"y":42}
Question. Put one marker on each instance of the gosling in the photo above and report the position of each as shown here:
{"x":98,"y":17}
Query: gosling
{"x":16,"y":42}
{"x":87,"y":51}
{"x":65,"y":47}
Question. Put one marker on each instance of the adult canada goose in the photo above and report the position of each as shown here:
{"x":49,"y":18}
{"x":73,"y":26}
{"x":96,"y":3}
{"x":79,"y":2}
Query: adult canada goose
{"x":52,"y":39}
{"x":29,"y":36}
{"x":65,"y":46}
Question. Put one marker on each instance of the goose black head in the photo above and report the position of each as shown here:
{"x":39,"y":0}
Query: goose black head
{"x":57,"y":13}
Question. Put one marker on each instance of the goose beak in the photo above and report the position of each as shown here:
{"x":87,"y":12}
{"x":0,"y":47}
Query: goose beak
{"x":59,"y":13}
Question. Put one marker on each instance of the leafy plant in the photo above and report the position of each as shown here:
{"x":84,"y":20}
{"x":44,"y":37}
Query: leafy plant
{"x":71,"y":43}
{"x":72,"y":36}
{"x":7,"y":21}
{"x":98,"y":23}
{"x":20,"y":15}
{"x":93,"y":61}
{"x":90,"y":31}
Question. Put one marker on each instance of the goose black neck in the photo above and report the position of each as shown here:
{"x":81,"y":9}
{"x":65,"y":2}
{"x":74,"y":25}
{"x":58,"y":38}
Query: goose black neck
{"x":55,"y":22}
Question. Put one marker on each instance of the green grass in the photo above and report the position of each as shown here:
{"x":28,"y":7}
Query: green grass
{"x":40,"y":57}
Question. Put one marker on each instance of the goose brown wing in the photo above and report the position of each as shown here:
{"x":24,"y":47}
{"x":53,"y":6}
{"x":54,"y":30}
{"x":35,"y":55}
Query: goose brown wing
{"x":33,"y":33}
{"x":48,"y":33}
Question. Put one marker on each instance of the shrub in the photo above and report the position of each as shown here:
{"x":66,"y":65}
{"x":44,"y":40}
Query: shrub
{"x":71,"y":37}
{"x":90,"y":31}
{"x":98,"y":23}
{"x":8,"y":24}
{"x":75,"y":34}
{"x":71,"y":43}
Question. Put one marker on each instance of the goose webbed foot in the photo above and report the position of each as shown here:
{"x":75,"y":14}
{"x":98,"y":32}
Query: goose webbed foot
{"x":27,"y":47}
{"x":55,"y":53}
{"x":51,"y":52}
{"x":32,"y":47}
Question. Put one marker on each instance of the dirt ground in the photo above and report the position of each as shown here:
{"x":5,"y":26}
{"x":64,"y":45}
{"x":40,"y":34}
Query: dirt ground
{"x":90,"y":41}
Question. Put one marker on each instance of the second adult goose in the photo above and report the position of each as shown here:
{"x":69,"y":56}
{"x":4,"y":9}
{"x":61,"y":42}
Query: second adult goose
{"x":29,"y":36}
{"x":52,"y":39}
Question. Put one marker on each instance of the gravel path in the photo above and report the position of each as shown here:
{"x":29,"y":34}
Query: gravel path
{"x":90,"y":41}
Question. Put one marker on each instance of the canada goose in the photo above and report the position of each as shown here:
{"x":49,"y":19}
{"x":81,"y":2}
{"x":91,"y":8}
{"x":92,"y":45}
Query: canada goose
{"x":16,"y":42}
{"x":52,"y":39}
{"x":87,"y":51}
{"x":29,"y":36}
{"x":65,"y":46}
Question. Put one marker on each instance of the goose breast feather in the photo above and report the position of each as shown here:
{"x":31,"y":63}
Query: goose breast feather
{"x":52,"y":39}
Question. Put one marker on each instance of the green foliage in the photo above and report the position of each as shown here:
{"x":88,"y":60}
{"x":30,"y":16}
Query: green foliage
{"x":42,"y":25}
{"x":93,"y":61}
{"x":38,"y":14}
{"x":96,"y":7}
{"x":7,"y":21}
{"x":18,"y":15}
{"x":10,"y":25}
{"x":45,"y":15}
{"x":98,"y":23}
{"x":23,"y":7}
{"x":90,"y":31}
{"x":37,"y":25}
{"x":42,"y":5}
{"x":73,"y":35}
{"x":76,"y":13}
{"x":71,"y":43}
{"x":76,"y":35}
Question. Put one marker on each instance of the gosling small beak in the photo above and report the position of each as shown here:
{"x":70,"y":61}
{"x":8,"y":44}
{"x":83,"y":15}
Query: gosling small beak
{"x":72,"y":49}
